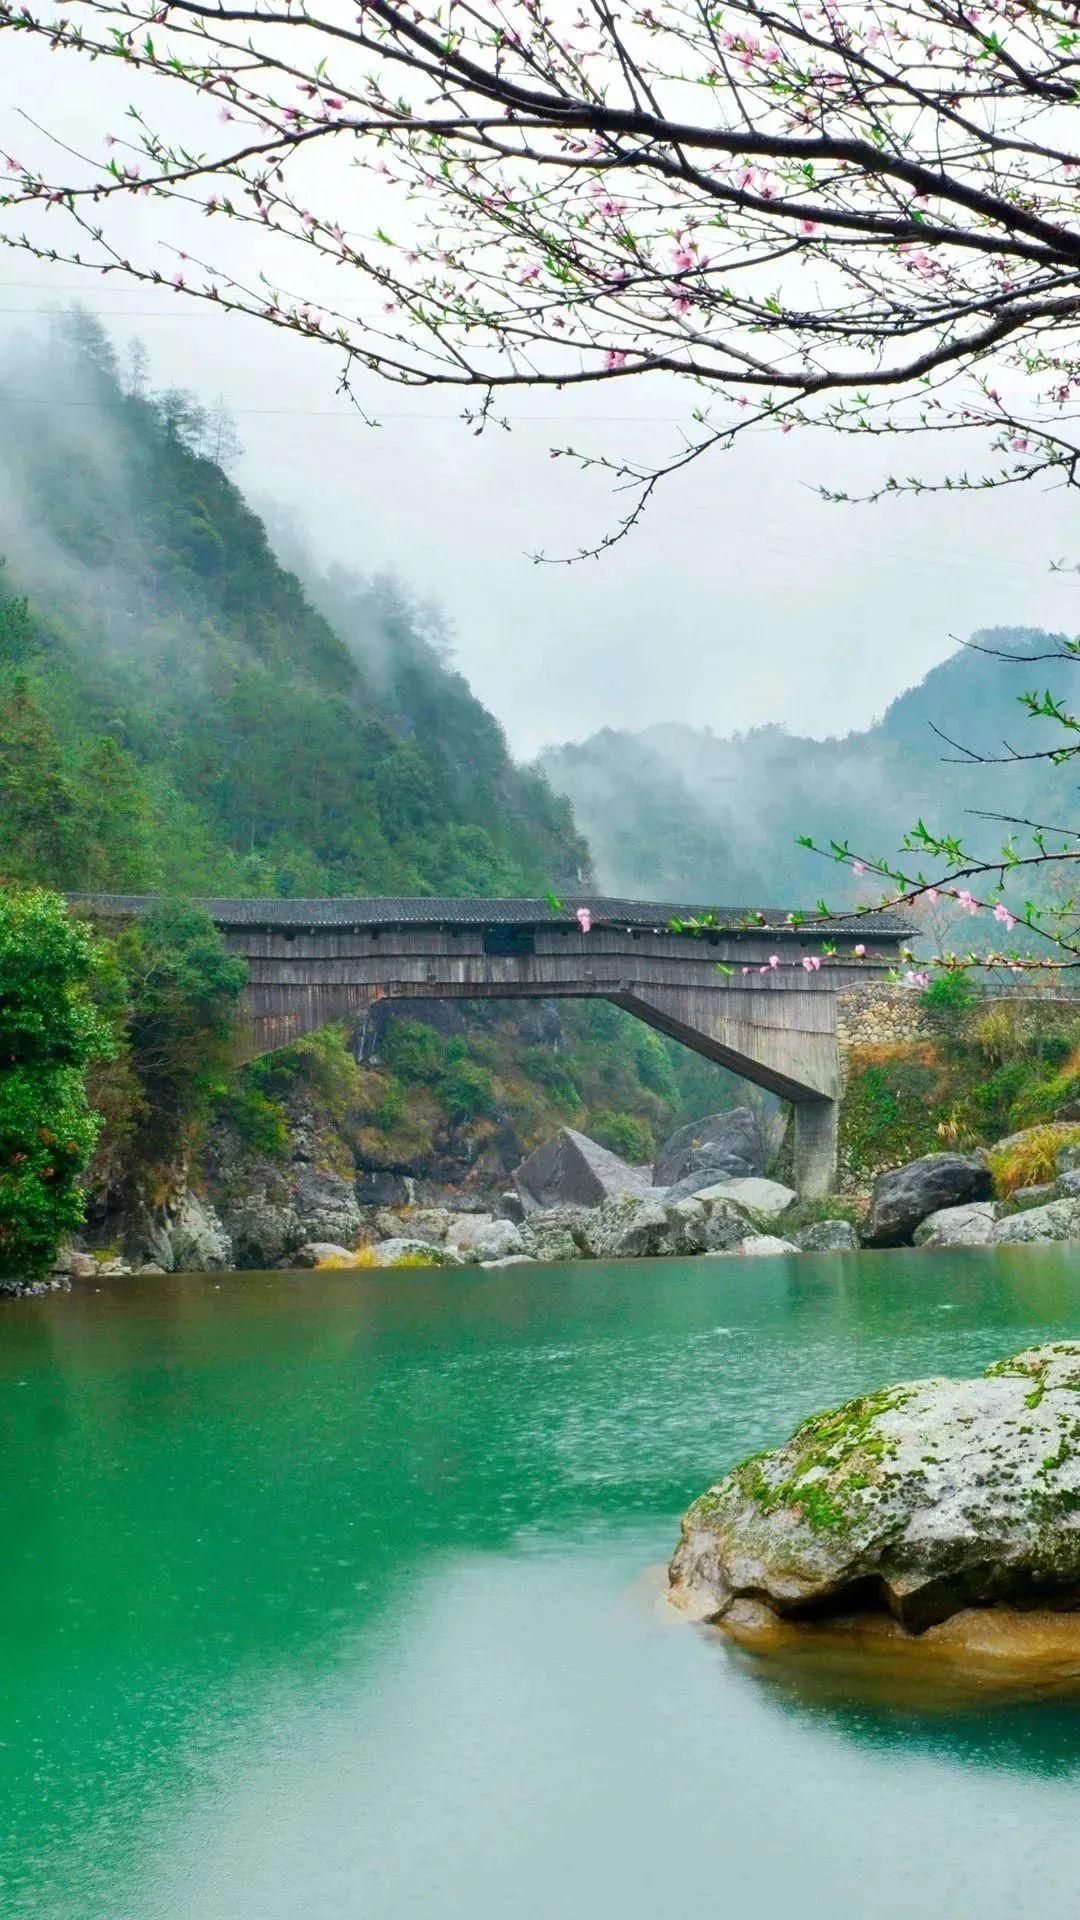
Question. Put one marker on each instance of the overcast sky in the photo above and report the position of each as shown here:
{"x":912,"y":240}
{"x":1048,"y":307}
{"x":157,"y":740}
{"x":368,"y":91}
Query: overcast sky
{"x":743,"y":598}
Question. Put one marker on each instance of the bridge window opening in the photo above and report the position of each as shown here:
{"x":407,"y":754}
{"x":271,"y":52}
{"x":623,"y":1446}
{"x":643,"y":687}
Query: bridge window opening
{"x":509,"y":942}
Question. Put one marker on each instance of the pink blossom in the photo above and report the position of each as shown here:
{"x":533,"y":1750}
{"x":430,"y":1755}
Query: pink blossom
{"x":1001,"y":912}
{"x":967,"y":901}
{"x":681,"y":303}
{"x":860,"y":951}
{"x":917,"y":979}
{"x":933,"y":895}
{"x":858,"y":866}
{"x":614,"y":358}
{"x":811,"y":963}
{"x":808,"y":226}
{"x":745,"y":972}
{"x":683,"y":260}
{"x":774,"y":961}
{"x":583,"y":917}
{"x":1020,"y":443}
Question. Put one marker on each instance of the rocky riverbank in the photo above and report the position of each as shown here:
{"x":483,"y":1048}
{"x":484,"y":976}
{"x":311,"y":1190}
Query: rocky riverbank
{"x":706,"y":1194}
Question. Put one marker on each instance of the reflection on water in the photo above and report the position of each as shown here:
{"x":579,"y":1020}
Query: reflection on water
{"x":320,"y":1601}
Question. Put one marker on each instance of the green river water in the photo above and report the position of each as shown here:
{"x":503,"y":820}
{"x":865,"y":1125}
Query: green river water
{"x":328,"y":1596}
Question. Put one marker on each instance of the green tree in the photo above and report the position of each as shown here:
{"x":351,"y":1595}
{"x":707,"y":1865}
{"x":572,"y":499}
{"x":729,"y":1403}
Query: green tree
{"x":115,"y":824}
{"x":183,"y":989}
{"x":49,"y":1033}
{"x":36,"y":803}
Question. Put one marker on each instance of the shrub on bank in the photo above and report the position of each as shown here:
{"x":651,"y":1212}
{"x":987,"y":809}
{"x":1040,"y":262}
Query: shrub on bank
{"x":989,"y":1073}
{"x":49,"y":1033}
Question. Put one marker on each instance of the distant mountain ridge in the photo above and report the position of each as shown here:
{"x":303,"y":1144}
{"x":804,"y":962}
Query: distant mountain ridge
{"x":679,"y":810}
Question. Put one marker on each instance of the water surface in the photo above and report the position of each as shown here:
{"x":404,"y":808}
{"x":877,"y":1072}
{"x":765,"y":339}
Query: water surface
{"x":325,"y":1596}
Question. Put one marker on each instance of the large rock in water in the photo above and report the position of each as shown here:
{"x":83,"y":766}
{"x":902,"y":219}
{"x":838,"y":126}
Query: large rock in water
{"x":570,"y":1170}
{"x":1058,"y":1221}
{"x":969,"y":1226}
{"x":927,"y":1497}
{"x":902,"y":1199}
{"x":727,"y":1145}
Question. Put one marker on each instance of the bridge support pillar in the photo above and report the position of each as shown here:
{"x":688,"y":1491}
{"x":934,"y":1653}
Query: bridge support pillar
{"x":815,"y":1147}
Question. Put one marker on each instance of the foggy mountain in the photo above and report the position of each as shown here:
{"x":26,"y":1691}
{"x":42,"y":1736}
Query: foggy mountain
{"x":686,"y":813}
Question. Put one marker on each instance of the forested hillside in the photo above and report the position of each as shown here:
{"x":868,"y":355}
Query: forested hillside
{"x":180,"y":713}
{"x":716,"y":819}
{"x":194,"y":722}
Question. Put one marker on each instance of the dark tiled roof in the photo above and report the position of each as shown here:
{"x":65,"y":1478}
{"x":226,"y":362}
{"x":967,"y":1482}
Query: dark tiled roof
{"x":409,"y":911}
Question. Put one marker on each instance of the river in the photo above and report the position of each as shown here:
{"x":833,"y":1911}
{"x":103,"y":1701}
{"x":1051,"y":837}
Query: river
{"x":329,"y":1596}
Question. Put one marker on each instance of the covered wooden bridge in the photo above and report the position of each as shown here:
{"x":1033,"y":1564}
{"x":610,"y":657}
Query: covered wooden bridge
{"x":734,"y":988}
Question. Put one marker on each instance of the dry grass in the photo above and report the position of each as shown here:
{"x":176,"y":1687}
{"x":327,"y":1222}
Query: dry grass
{"x":923,"y":1052}
{"x":1030,"y":1158}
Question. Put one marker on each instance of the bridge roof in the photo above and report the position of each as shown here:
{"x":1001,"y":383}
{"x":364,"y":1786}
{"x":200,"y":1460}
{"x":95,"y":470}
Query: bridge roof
{"x":410,"y":911}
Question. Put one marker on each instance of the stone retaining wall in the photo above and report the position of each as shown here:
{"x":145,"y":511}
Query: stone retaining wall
{"x":883,"y":1015}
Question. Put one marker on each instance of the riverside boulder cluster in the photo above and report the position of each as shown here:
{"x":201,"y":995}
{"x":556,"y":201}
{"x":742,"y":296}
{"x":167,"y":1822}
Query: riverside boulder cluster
{"x":707,"y":1193}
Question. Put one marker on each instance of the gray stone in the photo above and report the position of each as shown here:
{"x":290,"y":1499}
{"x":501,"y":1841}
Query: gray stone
{"x":970,"y":1226}
{"x":767,"y":1199}
{"x":1058,"y":1221}
{"x":628,"y":1227}
{"x":81,"y":1266}
{"x":1036,"y":1196}
{"x":317,"y":1253}
{"x":148,"y":1267}
{"x":557,"y":1235}
{"x":767,"y":1244}
{"x":511,"y":1260}
{"x":197,"y":1240}
{"x":725,"y":1226}
{"x":480,"y":1237}
{"x":632,"y":1227}
{"x":903,"y":1198}
{"x":425,"y":1223}
{"x":928,"y":1497}
{"x":390,"y":1253}
{"x":1067,"y":1159}
{"x":828,"y":1236}
{"x":327,"y":1207}
{"x":512,"y":1207}
{"x":572,"y":1170}
{"x":264,"y":1233}
{"x":1067,"y":1184}
{"x":120,"y":1270}
{"x":376,"y":1187}
{"x":728,"y":1142}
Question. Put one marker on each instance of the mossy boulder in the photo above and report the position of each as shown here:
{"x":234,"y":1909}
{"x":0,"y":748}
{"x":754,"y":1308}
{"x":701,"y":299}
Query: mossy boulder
{"x":924,"y":1498}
